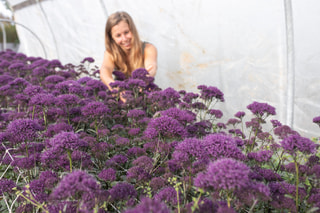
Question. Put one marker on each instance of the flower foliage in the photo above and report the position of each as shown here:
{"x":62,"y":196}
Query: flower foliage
{"x":69,"y":144}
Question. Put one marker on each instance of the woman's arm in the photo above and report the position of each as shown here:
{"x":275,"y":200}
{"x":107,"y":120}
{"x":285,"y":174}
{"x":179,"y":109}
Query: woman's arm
{"x":150,"y":59}
{"x":106,"y":69}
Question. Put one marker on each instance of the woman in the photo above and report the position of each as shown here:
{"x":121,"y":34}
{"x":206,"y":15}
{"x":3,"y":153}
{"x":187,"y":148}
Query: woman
{"x":124,"y":49}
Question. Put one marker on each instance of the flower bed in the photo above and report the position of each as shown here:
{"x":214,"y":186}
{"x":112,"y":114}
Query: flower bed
{"x":70,"y":145}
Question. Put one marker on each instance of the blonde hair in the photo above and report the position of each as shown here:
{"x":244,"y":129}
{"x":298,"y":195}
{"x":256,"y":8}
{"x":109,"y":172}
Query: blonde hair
{"x":118,"y":55}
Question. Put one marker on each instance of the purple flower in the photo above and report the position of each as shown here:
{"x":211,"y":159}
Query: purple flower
{"x":119,"y":76}
{"x":136,"y":113}
{"x":80,"y":186}
{"x":210,"y":93}
{"x":21,"y":130}
{"x":148,"y":205}
{"x":40,"y":72}
{"x":122,"y":191}
{"x":138,"y":174}
{"x":88,"y":59}
{"x":157,"y":183}
{"x":183,"y":116}
{"x":6,"y":186}
{"x":134,"y":131}
{"x":136,"y":83}
{"x":164,"y":127}
{"x":316,"y":120}
{"x":225,"y":173}
{"x":144,"y":162}
{"x":54,"y":79}
{"x":42,"y":99}
{"x":54,"y":129}
{"x":96,"y":85}
{"x":16,"y":66}
{"x":261,"y":174}
{"x":222,"y":145}
{"x":139,"y":73}
{"x":233,"y":121}
{"x":261,"y":156}
{"x":294,"y":143}
{"x":276,"y":123}
{"x":32,"y":90}
{"x":67,"y":100}
{"x":67,"y":141}
{"x":284,"y":131}
{"x":189,"y":97}
{"x":261,"y":108}
{"x":135,"y":151}
{"x":168,"y":195}
{"x":117,"y":159}
{"x":69,"y":86}
{"x":240,"y":114}
{"x":95,"y":109}
{"x":216,"y":113}
{"x":164,"y":99}
{"x":107,"y":174}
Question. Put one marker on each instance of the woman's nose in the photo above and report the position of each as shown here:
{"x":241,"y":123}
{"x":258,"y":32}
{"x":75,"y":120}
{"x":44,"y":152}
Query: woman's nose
{"x":124,"y":37}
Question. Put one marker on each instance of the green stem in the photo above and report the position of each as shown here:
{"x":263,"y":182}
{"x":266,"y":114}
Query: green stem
{"x":70,"y":159}
{"x":178,"y":200}
{"x":228,"y":200}
{"x":297,"y":185}
{"x":34,"y":107}
{"x":44,"y":117}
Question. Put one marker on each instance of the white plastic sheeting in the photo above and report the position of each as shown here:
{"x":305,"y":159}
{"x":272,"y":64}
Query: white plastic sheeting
{"x":265,"y":51}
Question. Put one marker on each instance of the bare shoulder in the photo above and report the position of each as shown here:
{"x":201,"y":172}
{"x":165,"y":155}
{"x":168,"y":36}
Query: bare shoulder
{"x":150,"y":49}
{"x":107,"y":62}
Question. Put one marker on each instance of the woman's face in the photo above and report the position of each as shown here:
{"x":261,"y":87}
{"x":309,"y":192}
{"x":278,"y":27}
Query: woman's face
{"x":122,"y":35}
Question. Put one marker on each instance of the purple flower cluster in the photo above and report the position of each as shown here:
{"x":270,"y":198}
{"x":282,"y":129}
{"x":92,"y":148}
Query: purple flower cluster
{"x":21,"y":130}
{"x":316,"y":120}
{"x":107,"y":174}
{"x":67,"y":141}
{"x":210,"y":93}
{"x":261,"y":156}
{"x":225,"y":174}
{"x":261,"y":109}
{"x":148,"y":205}
{"x":295,"y":143}
{"x":122,"y":191}
{"x":164,"y":126}
{"x":78,"y":185}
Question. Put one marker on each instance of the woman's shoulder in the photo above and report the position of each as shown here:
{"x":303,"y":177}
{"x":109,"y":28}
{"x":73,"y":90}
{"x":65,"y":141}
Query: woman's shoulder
{"x":149,"y":47}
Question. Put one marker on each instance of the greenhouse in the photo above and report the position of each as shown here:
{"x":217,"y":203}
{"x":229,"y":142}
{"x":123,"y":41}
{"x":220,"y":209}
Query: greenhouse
{"x":230,"y":122}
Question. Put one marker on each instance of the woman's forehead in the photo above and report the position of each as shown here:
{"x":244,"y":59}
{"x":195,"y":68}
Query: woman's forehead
{"x":120,"y":27}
